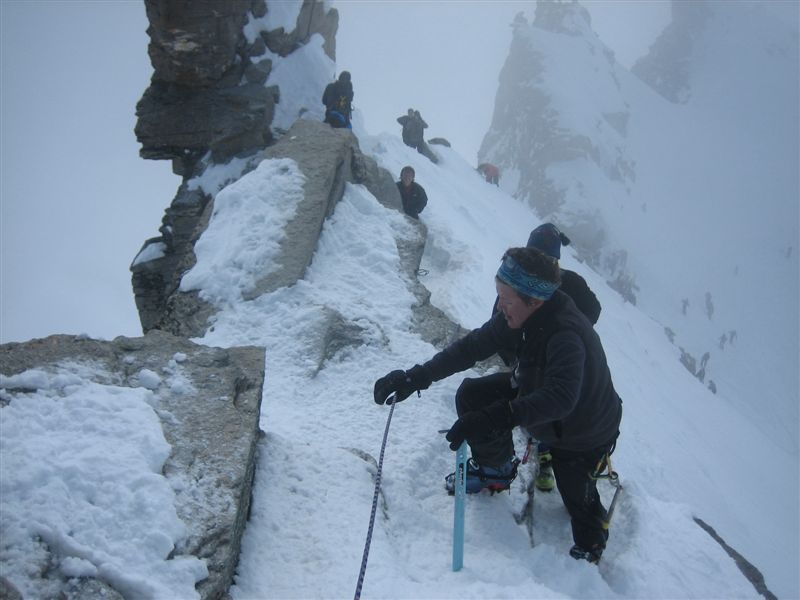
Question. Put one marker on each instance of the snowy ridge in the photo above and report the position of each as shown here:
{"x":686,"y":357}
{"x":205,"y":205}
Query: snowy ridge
{"x":681,"y":453}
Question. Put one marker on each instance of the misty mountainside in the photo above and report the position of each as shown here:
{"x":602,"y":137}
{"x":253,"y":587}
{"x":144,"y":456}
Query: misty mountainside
{"x":676,"y":181}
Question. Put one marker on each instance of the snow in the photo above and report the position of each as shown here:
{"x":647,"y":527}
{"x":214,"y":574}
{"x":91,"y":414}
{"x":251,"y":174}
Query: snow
{"x":215,"y":177}
{"x":279,"y":14}
{"x":245,"y":231}
{"x":82,"y":461}
{"x":684,"y":452}
{"x":302,"y":77}
{"x":81,"y":473}
{"x":150,"y":252}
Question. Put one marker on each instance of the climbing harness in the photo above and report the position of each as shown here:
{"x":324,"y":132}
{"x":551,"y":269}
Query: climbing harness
{"x":613,"y":478}
{"x":365,"y":557}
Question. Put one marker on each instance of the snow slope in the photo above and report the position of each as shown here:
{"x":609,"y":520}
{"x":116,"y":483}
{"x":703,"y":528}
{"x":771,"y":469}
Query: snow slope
{"x":683,"y":452}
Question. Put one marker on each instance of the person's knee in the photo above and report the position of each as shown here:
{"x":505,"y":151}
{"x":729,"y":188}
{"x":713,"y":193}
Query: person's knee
{"x":465,"y":396}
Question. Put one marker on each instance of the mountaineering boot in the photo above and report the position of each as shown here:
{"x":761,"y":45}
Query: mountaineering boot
{"x":485,"y":478}
{"x":593,"y":555}
{"x":545,"y":481}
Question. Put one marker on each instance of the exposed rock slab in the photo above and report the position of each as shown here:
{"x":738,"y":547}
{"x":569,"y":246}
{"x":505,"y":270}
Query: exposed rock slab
{"x":213,"y":433}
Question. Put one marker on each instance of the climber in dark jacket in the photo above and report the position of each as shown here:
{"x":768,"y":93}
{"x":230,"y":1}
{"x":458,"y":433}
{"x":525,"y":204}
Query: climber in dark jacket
{"x":414,"y":127}
{"x":560,"y":390}
{"x":411,"y":193}
{"x":338,"y":99}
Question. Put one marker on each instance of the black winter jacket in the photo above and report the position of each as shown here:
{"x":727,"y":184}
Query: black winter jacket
{"x":338,"y":96}
{"x":413,"y":129}
{"x":565,"y":394}
{"x":576,"y":288}
{"x":414,"y":198}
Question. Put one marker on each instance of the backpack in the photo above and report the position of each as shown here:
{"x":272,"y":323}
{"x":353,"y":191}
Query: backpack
{"x":342,"y":105}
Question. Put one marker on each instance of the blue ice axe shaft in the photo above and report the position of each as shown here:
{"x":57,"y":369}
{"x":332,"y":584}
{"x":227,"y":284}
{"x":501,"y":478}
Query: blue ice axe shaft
{"x":460,"y":497}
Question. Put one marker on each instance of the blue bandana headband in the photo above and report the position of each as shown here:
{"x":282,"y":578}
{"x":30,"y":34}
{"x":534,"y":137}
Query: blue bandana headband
{"x":512,"y":274}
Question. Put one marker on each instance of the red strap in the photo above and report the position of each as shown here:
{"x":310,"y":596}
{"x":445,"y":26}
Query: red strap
{"x":527,"y":451}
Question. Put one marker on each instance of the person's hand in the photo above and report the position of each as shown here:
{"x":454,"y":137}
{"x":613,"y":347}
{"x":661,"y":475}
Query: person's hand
{"x":480,"y":423}
{"x":399,"y":385}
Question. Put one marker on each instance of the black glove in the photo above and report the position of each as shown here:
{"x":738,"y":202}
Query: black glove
{"x":402,"y":384}
{"x":480,"y":423}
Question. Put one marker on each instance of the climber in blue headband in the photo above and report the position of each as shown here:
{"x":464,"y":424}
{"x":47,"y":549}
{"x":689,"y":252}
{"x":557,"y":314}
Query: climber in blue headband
{"x":513,"y":275}
{"x":559,"y":391}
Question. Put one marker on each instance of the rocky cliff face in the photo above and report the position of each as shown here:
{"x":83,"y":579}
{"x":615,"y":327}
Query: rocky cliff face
{"x":666,"y":67}
{"x":209,"y":90}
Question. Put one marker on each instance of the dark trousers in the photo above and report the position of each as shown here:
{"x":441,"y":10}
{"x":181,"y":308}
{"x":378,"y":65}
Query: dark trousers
{"x":496,"y":449}
{"x":337,"y":120}
{"x":573,"y":470}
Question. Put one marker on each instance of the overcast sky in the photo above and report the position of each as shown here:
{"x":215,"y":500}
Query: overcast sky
{"x":77,"y":202}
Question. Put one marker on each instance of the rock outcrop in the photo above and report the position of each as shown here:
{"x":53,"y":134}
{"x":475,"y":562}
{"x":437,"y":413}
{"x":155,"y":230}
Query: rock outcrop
{"x":327,"y":158}
{"x":209,"y":90}
{"x":666,"y":67}
{"x":213,"y":434}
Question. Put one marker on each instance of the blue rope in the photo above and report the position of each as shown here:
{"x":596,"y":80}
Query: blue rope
{"x":374,"y":508}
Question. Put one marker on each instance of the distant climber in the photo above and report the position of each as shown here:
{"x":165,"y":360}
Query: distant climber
{"x":338,"y":101}
{"x":490,"y":172}
{"x":411,"y":193}
{"x":414,"y":133}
